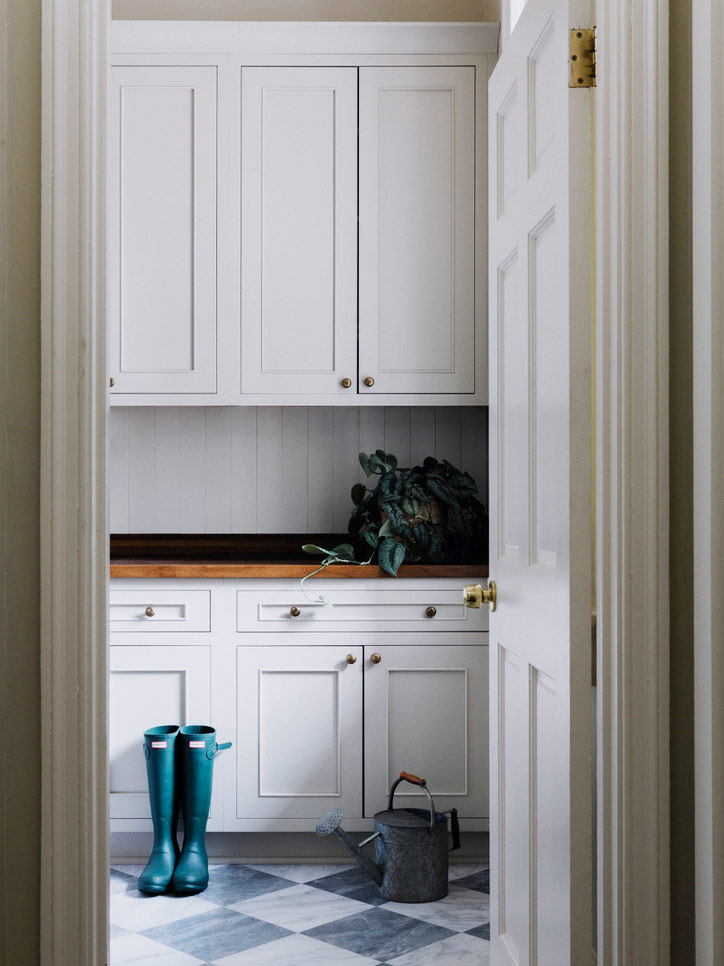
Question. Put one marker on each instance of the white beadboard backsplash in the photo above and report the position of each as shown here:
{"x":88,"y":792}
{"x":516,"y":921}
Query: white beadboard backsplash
{"x":269,"y":469}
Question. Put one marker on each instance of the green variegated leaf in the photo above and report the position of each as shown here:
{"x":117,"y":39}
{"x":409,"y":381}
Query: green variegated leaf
{"x":372,"y":538}
{"x":387,"y":529}
{"x":390,"y":555}
{"x":358,"y":493}
{"x":313,"y":548}
{"x":345,"y":551}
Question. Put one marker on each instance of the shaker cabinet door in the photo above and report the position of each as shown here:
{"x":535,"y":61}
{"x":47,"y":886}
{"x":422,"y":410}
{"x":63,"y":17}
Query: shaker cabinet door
{"x":426,"y":712}
{"x":162,"y":229}
{"x":417,"y":230}
{"x":299,"y":738}
{"x":298,"y":230}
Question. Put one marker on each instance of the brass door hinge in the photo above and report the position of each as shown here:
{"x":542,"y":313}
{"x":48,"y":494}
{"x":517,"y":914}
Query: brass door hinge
{"x":582,"y":57}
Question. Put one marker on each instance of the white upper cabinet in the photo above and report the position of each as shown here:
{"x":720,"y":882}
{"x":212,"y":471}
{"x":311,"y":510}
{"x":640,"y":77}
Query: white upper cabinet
{"x":298,"y":229}
{"x":162,"y":229}
{"x":294,"y":219}
{"x":417,"y":230}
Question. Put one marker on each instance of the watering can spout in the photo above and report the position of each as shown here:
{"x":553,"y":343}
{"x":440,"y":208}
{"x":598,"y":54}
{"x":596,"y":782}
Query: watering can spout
{"x":330,"y":823}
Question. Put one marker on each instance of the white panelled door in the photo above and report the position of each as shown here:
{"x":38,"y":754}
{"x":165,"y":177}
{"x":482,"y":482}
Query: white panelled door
{"x":162,"y":229}
{"x":417,"y":230}
{"x":298,"y":229}
{"x":540,"y":495}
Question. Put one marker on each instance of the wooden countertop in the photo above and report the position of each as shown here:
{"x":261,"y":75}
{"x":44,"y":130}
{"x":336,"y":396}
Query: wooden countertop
{"x":269,"y":555}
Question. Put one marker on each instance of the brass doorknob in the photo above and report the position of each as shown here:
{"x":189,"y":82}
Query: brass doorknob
{"x":475,"y":596}
{"x":376,"y":658}
{"x":351,"y":659}
{"x":430,"y":611}
{"x":294,"y":611}
{"x":369,"y":381}
{"x":346,"y":383}
{"x":150,"y":612}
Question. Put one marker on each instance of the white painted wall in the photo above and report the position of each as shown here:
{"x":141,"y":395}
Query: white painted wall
{"x":269,"y":469}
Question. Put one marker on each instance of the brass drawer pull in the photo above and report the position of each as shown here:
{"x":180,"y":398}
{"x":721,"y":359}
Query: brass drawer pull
{"x":351,"y":659}
{"x":295,"y":612}
{"x":376,"y":658}
{"x":369,"y":382}
{"x":150,"y":612}
{"x":431,"y":611}
{"x":346,"y":383}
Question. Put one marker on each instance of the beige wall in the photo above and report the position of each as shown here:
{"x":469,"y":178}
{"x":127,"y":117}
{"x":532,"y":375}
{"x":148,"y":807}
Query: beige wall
{"x":463,"y":10}
{"x":19,"y":470}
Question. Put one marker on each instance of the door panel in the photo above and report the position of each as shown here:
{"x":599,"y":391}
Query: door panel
{"x":540,"y":495}
{"x":426,"y":713}
{"x":299,"y":750}
{"x":299,"y":229}
{"x":150,"y":686}
{"x":162,"y":229}
{"x":417,"y":225}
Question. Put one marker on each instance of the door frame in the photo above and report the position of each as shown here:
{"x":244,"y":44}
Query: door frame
{"x":708,"y":347}
{"x":631,"y":521}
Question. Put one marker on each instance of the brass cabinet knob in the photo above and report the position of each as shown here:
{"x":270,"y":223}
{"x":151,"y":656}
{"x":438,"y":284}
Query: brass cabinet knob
{"x":475,"y":596}
{"x":295,"y":612}
{"x":150,"y":612}
{"x":346,"y":383}
{"x":369,"y":381}
{"x":351,"y":659}
{"x":430,"y":611}
{"x":376,"y":658}
{"x":112,"y":382}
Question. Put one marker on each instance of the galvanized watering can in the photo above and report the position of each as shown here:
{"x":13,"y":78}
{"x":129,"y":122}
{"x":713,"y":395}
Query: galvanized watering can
{"x":411,"y":847}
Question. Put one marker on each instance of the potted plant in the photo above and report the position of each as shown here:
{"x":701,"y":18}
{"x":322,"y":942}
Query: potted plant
{"x":426,"y":513}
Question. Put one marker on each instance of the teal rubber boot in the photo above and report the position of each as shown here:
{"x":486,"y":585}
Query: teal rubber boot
{"x":160,"y":749}
{"x":198,"y":750}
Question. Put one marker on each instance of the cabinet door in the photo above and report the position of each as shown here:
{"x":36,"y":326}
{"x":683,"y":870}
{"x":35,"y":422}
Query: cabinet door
{"x":426,"y":712}
{"x":299,"y":739}
{"x":298,"y":229}
{"x":150,"y":686}
{"x":416,"y":230}
{"x":162,"y":229}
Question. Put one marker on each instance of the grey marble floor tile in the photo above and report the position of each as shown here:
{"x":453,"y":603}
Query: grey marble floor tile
{"x":217,"y":933}
{"x":353,"y":883}
{"x":482,"y":931}
{"x":233,"y":883}
{"x":476,"y":880}
{"x":379,"y":934}
{"x":121,"y":882}
{"x":115,"y":931}
{"x":296,"y":950}
{"x":136,"y":950}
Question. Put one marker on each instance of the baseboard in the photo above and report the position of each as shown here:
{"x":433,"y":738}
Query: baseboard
{"x":271,"y":848}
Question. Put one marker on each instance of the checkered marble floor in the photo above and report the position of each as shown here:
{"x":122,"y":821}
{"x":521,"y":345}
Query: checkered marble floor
{"x":298,"y":915}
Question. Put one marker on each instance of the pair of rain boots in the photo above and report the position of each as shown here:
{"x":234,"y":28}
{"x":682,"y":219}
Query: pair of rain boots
{"x":179,"y":765}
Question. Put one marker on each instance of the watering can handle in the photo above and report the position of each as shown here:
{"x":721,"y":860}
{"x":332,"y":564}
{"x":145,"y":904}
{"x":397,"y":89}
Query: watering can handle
{"x":455,"y":829}
{"x":413,"y":780}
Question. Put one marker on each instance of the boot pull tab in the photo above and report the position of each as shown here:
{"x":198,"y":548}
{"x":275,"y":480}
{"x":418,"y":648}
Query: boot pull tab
{"x":213,"y":750}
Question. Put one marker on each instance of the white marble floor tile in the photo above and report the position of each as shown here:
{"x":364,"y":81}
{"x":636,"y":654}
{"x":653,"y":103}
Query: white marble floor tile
{"x":137,"y":912}
{"x":299,"y":908}
{"x":461,"y":909}
{"x":459,"y":950}
{"x":457,"y":871}
{"x":296,"y":951}
{"x":137,"y":950}
{"x":301,"y":873}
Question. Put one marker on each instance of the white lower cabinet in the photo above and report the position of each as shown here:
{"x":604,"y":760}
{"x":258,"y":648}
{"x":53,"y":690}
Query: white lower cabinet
{"x":320,"y":717}
{"x":299,"y":742}
{"x":426,"y":712}
{"x":151,"y":685}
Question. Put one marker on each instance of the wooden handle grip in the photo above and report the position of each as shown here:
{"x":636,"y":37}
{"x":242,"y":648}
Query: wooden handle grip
{"x":413,"y":779}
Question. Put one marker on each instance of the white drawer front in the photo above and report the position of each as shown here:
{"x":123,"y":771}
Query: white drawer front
{"x":383,"y":610}
{"x":160,"y":610}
